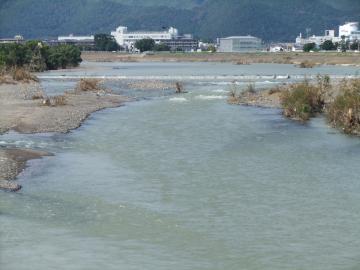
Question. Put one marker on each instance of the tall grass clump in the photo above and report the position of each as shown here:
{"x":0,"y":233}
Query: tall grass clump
{"x":88,"y":85}
{"x":22,"y":75}
{"x":344,"y":111}
{"x":179,"y":88}
{"x":55,"y":101}
{"x":307,"y":64}
{"x":303,"y":100}
{"x":234,"y":94}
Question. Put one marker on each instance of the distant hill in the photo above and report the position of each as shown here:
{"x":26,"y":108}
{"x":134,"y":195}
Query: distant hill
{"x":272,"y":20}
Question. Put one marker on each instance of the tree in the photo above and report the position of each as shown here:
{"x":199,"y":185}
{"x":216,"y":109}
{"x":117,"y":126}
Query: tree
{"x":212,"y":48}
{"x":146,"y":44}
{"x":309,"y":47}
{"x":343,"y":44}
{"x":105,"y":42}
{"x":328,"y":45}
{"x":355,"y":45}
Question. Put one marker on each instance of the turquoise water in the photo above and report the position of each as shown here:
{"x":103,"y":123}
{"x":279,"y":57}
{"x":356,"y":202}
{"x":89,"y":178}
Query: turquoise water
{"x":186,"y":182}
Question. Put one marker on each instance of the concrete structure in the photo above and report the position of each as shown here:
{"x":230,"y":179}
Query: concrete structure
{"x":72,"y":38}
{"x":318,"y":40}
{"x":16,"y":39}
{"x":240,"y":44}
{"x":169,"y":37}
{"x":125,"y":38}
{"x":84,"y":42}
{"x":181,"y":44}
{"x":348,"y":29}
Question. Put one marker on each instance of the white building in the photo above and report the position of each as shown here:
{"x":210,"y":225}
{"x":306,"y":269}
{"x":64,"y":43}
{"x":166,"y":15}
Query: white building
{"x":73,"y":38}
{"x":126,"y":39}
{"x":240,"y":44}
{"x":318,"y":40}
{"x":348,"y":29}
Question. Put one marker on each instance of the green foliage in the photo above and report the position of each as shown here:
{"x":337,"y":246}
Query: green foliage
{"x":344,"y":111}
{"x":212,"y":48}
{"x":309,"y":47}
{"x":146,"y":44}
{"x":105,"y":42}
{"x":328,"y":45}
{"x":38,"y":57}
{"x":355,"y":45}
{"x":277,"y":20}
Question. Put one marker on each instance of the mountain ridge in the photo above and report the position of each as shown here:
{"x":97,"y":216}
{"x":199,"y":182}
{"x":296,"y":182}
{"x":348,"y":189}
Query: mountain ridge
{"x":276,"y":20}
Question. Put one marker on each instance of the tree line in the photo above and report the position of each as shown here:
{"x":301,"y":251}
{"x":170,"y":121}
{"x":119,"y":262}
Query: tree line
{"x":37,"y":56}
{"x":328,"y":45}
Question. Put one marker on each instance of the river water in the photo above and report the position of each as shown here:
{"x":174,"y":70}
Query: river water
{"x":185,"y":182}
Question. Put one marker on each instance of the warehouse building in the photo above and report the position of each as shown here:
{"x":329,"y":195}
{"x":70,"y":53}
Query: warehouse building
{"x":240,"y":44}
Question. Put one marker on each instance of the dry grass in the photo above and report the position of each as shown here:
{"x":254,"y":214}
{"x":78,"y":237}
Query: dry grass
{"x":179,"y":88}
{"x":37,"y":96}
{"x":22,"y":75}
{"x":59,"y":100}
{"x":306,"y":64}
{"x":88,"y":85}
{"x":236,"y":94}
{"x":301,"y":101}
{"x":242,"y":62}
{"x":274,"y":90}
{"x":55,"y":101}
{"x":344,"y":111}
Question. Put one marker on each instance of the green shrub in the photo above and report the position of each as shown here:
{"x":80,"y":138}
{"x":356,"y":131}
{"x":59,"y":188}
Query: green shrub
{"x":36,"y":56}
{"x":301,"y":101}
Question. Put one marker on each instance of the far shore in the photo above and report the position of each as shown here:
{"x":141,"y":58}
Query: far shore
{"x":295,"y":58}
{"x":22,"y":109}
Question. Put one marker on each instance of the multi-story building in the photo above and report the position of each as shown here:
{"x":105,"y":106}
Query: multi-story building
{"x":169,"y":37}
{"x":348,"y":29}
{"x":125,"y":38}
{"x":181,"y":44}
{"x":318,"y":40}
{"x":240,"y":44}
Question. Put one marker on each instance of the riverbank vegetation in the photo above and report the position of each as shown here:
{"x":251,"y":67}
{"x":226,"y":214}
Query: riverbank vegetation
{"x":35,"y":56}
{"x":339,"y":102}
{"x":303,"y":100}
{"x":344,"y":112}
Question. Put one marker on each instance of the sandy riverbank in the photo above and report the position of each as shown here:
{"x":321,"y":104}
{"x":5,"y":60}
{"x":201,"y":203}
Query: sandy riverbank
{"x":329,"y":58}
{"x":19,"y":111}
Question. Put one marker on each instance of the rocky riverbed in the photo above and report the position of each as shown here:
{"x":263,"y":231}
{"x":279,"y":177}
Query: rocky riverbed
{"x":25,"y":108}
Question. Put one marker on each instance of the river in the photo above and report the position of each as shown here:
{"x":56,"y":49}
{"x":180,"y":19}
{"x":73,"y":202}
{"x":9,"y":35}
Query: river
{"x":186,"y":181}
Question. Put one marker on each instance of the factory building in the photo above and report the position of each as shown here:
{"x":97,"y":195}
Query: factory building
{"x":240,"y":44}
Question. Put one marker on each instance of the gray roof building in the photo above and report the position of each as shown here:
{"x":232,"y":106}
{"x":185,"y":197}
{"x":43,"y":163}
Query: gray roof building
{"x":240,"y":44}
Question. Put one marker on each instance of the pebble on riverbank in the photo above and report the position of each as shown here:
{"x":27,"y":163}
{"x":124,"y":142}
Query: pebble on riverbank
{"x":13,"y":162}
{"x":20,"y":111}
